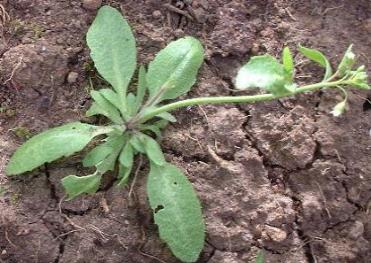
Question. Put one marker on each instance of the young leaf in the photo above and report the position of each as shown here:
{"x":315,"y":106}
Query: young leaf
{"x":112,"y":46}
{"x":112,"y":97}
{"x":263,"y":72}
{"x":124,"y":173}
{"x":161,"y":124}
{"x":105,"y":108}
{"x":127,"y":155}
{"x":358,"y":78}
{"x":152,"y":149}
{"x":339,"y":108}
{"x":75,"y":186}
{"x":260,"y":257}
{"x":177,"y":211}
{"x":288,"y":63}
{"x":347,"y":62}
{"x":108,"y":164}
{"x":142,"y":86}
{"x":319,"y":58}
{"x":52,"y":145}
{"x":131,"y":104}
{"x":100,"y":152}
{"x":96,"y":155}
{"x":137,"y":143}
{"x":167,"y":116}
{"x":173,"y":71}
{"x":153,"y":128}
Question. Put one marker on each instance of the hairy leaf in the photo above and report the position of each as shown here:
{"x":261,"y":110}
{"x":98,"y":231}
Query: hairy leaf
{"x":75,"y":185}
{"x":167,"y":116}
{"x":347,"y":62}
{"x":124,"y":174}
{"x":263,"y":72}
{"x":152,"y":149}
{"x":112,"y":97}
{"x":127,"y":155}
{"x":153,"y":128}
{"x":319,"y":58}
{"x":339,"y":108}
{"x":142,"y":86}
{"x":131,"y":104}
{"x":288,"y":63}
{"x":108,"y":164}
{"x":100,"y":152}
{"x":177,"y":211}
{"x":173,"y":71}
{"x":260,"y":257}
{"x":105,"y":108}
{"x":137,"y":143}
{"x":52,"y":145}
{"x":96,"y":155}
{"x":112,"y":46}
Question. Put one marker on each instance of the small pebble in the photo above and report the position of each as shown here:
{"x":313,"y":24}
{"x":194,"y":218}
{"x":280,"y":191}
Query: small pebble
{"x":178,"y":33}
{"x":356,"y":231}
{"x":156,"y":14}
{"x":367,"y":25}
{"x":274,"y":234}
{"x":72,"y":77}
{"x":91,"y":4}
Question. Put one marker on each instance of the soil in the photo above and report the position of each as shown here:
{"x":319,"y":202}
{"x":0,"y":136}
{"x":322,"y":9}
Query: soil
{"x":284,"y":176}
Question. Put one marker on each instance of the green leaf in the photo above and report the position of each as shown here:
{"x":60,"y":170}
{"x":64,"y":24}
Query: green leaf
{"x":317,"y":57}
{"x":167,"y":116}
{"x":142,"y":86}
{"x":124,"y":174}
{"x":112,"y":46}
{"x":137,"y":143}
{"x":131,"y":103}
{"x":177,"y":211}
{"x":263,"y":72}
{"x":288,"y":63}
{"x":100,"y":152}
{"x":96,"y":155}
{"x":75,"y":186}
{"x":95,"y":109}
{"x":127,"y":155}
{"x":347,"y":62}
{"x":260,"y":257}
{"x":152,"y":149}
{"x":161,"y":124}
{"x":108,"y":164}
{"x":173,"y":71}
{"x":104,"y":107}
{"x":153,"y":128}
{"x":51,"y":145}
{"x":359,"y":78}
{"x":112,"y":97}
{"x":339,"y":108}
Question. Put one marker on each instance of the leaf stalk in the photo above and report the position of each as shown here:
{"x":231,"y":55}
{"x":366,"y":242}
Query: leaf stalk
{"x":234,"y":99}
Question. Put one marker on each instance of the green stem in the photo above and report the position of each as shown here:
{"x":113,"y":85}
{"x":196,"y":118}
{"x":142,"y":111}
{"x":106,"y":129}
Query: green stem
{"x":231,"y":99}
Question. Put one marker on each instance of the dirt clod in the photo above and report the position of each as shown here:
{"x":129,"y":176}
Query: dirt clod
{"x":72,"y":77}
{"x":91,"y":4}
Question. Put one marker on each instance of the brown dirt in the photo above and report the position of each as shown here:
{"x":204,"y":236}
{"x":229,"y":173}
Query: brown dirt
{"x":282,"y":176}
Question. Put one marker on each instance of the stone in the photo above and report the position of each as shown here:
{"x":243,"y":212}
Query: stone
{"x":72,"y":77}
{"x":91,"y":4}
{"x":157,"y":14}
{"x":274,"y":234}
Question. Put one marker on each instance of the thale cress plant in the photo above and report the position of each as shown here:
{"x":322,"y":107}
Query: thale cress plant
{"x":136,"y":119}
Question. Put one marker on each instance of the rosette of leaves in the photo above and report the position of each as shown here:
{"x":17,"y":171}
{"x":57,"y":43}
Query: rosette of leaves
{"x":177,"y":210}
